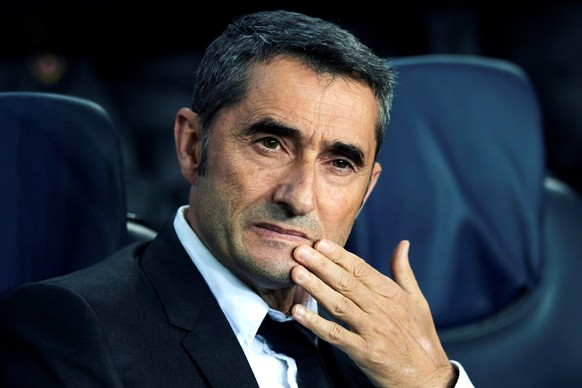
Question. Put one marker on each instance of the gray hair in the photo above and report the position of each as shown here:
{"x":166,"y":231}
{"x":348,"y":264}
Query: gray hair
{"x":223,"y":74}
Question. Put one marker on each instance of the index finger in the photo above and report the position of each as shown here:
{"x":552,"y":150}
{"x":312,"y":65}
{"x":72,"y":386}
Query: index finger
{"x":355,"y":265}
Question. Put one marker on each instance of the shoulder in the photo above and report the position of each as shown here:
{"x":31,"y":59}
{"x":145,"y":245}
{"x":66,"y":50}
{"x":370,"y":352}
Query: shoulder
{"x":87,"y":283}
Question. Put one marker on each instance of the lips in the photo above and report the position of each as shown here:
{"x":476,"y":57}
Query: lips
{"x":292,"y":233}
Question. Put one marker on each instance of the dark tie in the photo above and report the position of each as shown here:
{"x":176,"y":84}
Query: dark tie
{"x":292,"y":339}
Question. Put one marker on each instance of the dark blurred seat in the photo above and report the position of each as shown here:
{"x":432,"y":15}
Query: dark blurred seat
{"x":496,"y":242}
{"x":546,"y":40}
{"x":149,"y":92}
{"x":62,"y":193}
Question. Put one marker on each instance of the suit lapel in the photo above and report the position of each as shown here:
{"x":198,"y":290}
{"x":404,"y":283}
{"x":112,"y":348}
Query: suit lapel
{"x":189,"y":304}
{"x":225,"y":368}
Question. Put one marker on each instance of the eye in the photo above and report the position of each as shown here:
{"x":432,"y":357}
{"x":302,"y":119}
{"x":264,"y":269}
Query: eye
{"x":342,"y":164}
{"x":269,"y":142}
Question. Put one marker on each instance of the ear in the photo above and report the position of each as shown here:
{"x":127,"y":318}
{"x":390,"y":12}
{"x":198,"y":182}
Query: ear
{"x":188,"y":139}
{"x":376,"y":170}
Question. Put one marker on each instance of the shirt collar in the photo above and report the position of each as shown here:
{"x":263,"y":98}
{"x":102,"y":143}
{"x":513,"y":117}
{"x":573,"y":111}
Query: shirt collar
{"x":244,"y":309}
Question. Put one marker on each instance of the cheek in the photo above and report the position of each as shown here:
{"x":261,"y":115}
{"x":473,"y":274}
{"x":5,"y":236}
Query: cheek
{"x":242,"y":182}
{"x":337,"y":214}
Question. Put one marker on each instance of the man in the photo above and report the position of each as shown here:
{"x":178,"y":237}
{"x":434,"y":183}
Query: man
{"x":279,"y":147}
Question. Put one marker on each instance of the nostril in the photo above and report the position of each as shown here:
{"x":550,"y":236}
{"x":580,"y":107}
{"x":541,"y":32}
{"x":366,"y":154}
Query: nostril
{"x":285,"y":210}
{"x":295,"y":190}
{"x":295,"y":200}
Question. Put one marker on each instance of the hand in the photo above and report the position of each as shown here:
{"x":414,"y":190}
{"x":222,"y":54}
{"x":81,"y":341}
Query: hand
{"x":392,"y":338}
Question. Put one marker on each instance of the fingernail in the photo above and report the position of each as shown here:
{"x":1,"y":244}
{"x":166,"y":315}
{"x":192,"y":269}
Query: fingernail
{"x":406,"y":246}
{"x":304,"y":253}
{"x":302,"y":274}
{"x":299,"y":311}
{"x":324,"y":247}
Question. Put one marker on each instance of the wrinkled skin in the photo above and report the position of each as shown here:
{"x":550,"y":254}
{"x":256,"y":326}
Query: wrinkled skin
{"x":289,"y":168}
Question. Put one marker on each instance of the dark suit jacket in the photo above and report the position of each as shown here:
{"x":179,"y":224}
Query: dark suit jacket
{"x":141,"y":318}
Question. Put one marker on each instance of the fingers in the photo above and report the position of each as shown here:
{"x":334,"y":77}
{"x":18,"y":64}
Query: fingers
{"x":347,"y":273}
{"x":358,"y":269}
{"x":390,"y":325}
{"x":329,"y":331}
{"x":347,"y":286}
{"x":401,"y":269}
{"x":330,"y":284}
{"x":323,"y":328}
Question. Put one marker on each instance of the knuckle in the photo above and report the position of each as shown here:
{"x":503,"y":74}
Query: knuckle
{"x":343,"y":308}
{"x":318,"y":266}
{"x":361,"y":269}
{"x":315,"y":286}
{"x":346,"y":283}
{"x":335,"y":333}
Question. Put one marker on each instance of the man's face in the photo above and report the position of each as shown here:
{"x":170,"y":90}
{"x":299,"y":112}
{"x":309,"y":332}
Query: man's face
{"x":289,"y":165}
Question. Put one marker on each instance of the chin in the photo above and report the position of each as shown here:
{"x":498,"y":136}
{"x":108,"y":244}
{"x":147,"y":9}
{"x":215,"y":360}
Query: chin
{"x":271,"y":251}
{"x":273,"y":271}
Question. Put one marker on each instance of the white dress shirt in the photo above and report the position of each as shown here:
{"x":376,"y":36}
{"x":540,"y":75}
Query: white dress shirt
{"x":245,"y":310}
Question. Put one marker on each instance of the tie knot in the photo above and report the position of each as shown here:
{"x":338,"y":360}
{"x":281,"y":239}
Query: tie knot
{"x":287,"y":337}
{"x":293,"y":340}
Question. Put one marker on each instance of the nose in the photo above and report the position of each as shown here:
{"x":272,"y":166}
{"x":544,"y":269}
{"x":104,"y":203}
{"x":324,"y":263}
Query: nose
{"x":296,"y":188}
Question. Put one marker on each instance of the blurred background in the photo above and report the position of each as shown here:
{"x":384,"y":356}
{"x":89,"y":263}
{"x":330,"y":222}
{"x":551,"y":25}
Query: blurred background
{"x":137,"y":61}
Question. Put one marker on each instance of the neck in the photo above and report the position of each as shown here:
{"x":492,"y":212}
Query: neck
{"x":283,"y":299}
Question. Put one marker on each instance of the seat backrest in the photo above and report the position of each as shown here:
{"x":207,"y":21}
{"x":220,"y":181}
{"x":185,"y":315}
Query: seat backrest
{"x":463,"y":166}
{"x":464,"y":179}
{"x":62,"y":196}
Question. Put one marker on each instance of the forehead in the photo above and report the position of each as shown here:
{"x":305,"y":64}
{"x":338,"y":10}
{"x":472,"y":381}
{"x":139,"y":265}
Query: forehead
{"x":319,"y":105}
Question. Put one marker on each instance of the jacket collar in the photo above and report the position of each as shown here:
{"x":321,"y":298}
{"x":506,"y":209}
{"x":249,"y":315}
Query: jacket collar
{"x":190,"y":305}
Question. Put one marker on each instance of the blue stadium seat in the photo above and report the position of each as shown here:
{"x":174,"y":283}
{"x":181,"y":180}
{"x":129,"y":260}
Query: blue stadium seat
{"x":62,"y":193}
{"x":496,"y":241}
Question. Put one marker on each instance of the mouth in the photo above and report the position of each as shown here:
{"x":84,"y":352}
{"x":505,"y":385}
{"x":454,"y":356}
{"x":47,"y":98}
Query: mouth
{"x":284,"y":233}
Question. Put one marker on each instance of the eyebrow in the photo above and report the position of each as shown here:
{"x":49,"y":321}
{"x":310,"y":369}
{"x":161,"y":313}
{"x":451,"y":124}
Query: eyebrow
{"x":350,"y":151}
{"x":273,"y":127}
{"x":276,"y":128}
